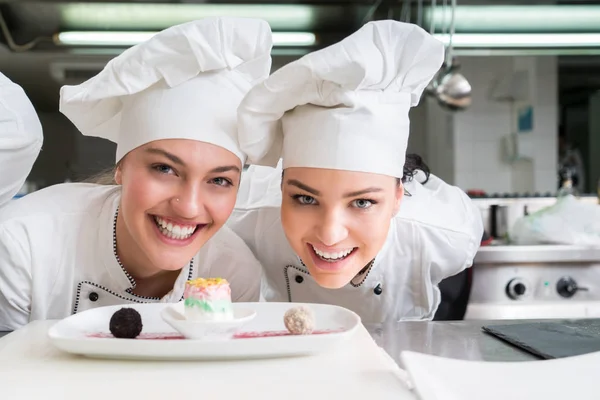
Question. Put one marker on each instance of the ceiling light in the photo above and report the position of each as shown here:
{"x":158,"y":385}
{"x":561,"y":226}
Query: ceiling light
{"x":525,"y":18}
{"x":524,"y":40}
{"x":152,"y":16}
{"x":83,"y":38}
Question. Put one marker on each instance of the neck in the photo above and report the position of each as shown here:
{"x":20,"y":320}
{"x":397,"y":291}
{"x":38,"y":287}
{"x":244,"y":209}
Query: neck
{"x":150,"y":280}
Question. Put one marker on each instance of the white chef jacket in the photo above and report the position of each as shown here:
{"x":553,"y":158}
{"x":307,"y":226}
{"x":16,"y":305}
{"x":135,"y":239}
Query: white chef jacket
{"x":20,"y":138}
{"x":57,"y":257}
{"x":435,"y":235}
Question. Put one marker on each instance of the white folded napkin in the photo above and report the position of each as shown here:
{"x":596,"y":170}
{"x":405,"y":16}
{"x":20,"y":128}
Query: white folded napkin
{"x":436,"y":378}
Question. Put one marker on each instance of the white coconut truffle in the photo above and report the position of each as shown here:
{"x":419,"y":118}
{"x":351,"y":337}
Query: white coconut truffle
{"x":299,"y":320}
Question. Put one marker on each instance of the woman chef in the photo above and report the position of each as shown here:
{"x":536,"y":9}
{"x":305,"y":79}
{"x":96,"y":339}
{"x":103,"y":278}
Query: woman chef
{"x":170,"y":106}
{"x":342,"y":226}
{"x":21,"y":138}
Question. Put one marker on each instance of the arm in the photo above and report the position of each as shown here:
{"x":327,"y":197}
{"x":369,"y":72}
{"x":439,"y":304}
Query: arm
{"x":15,"y":283}
{"x":20,"y":138}
{"x":450,"y":225}
{"x":456,"y":246}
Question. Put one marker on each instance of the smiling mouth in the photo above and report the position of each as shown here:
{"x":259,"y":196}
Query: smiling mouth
{"x":175,"y":231}
{"x":335,"y":256}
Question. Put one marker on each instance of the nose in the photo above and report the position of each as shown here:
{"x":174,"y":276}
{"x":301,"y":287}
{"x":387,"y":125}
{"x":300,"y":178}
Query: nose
{"x":187,"y":202}
{"x":331,"y":228}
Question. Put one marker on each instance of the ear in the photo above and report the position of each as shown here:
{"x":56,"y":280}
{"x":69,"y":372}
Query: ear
{"x":399,"y":197}
{"x":118,"y":174}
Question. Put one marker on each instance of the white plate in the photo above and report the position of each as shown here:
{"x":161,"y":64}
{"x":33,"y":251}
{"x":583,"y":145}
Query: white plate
{"x":76,"y":334}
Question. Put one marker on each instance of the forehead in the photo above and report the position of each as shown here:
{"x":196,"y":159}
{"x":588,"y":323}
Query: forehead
{"x":331,"y":181}
{"x":191,"y":153}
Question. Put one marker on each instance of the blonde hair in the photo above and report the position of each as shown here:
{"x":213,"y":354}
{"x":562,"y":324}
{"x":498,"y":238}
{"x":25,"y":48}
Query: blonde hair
{"x":106,"y":177}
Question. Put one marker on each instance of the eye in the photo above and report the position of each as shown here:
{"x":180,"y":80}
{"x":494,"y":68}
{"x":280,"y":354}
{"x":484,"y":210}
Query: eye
{"x":304,"y":199}
{"x":221,"y":182}
{"x":362,"y":203}
{"x":163,"y":168}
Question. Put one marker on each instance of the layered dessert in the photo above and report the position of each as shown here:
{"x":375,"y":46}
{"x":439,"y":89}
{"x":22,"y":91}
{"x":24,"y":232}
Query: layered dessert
{"x":208,"y":300}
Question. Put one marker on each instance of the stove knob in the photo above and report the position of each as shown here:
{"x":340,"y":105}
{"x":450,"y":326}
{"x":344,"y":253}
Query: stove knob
{"x":516,"y":289}
{"x":567,"y":287}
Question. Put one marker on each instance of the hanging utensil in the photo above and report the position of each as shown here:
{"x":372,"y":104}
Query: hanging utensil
{"x":430,"y":90}
{"x":451,"y":88}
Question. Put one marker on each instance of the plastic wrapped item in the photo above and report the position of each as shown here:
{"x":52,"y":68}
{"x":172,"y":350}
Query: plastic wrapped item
{"x":568,"y":221}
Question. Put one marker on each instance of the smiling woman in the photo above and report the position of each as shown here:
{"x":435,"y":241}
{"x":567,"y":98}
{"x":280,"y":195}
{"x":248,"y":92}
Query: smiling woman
{"x":351,"y":221}
{"x":170,"y":106}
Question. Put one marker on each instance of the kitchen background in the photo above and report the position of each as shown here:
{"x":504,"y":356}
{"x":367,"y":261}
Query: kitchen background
{"x":514,"y":122}
{"x":555,"y":86}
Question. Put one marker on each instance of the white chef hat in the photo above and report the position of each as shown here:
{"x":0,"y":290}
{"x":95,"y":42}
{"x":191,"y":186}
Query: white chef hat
{"x":183,"y":83}
{"x":345,"y":106}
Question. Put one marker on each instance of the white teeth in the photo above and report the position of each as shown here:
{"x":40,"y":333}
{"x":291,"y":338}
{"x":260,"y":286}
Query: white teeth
{"x":179,"y":232}
{"x":332,"y":256}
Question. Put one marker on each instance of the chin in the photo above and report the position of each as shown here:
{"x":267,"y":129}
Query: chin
{"x":170,"y":260}
{"x":331,"y":281}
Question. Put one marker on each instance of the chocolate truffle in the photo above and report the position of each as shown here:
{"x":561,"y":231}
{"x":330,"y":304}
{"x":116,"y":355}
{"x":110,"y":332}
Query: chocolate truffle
{"x":126,"y":323}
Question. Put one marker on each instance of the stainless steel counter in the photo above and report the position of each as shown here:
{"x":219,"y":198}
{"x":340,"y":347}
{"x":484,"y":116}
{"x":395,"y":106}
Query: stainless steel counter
{"x":460,"y":339}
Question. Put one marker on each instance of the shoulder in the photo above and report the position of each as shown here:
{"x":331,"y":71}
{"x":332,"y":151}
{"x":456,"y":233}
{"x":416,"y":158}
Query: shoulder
{"x":260,"y":187}
{"x":438,"y":205}
{"x":227,"y":244}
{"x":23,"y":125}
{"x":59,"y":201}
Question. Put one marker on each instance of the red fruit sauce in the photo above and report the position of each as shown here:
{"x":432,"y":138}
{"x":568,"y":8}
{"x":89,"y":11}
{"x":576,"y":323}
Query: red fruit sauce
{"x":241,"y":335}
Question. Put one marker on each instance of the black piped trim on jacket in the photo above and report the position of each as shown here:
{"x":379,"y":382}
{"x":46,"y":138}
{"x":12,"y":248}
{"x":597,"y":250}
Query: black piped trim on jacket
{"x":366,"y":270}
{"x":78,"y":296}
{"x":129,"y":277}
{"x":287,"y":278}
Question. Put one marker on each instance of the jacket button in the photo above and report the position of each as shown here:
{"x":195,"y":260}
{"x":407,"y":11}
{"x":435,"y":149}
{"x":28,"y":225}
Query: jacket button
{"x":299,"y":279}
{"x":93,"y":296}
{"x":378,"y":290}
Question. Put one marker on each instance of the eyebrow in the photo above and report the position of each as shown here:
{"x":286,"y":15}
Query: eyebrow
{"x":179,"y":161}
{"x":363,"y":191}
{"x":300,"y":185}
{"x":225,"y":168}
{"x":164,"y":153}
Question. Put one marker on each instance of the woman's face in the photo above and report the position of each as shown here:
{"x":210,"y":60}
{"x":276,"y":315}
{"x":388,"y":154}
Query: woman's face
{"x":337,"y":221}
{"x":176,"y":194}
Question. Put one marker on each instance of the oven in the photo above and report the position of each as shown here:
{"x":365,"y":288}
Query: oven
{"x":535,"y":282}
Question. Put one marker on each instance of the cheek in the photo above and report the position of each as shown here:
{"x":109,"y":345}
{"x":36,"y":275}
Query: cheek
{"x":295,"y":224}
{"x":294,"y":219}
{"x":220,"y":205}
{"x":372,"y":229}
{"x":141,"y":192}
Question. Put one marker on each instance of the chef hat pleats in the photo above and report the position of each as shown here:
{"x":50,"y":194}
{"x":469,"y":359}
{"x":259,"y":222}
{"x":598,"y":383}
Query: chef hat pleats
{"x":183,"y":83}
{"x":345,"y":106}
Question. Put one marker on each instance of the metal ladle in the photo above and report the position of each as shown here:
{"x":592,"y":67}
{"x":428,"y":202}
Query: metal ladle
{"x":449,"y":86}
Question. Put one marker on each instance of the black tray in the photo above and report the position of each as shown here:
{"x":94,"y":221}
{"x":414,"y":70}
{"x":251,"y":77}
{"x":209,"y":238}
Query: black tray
{"x":555,"y":339}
